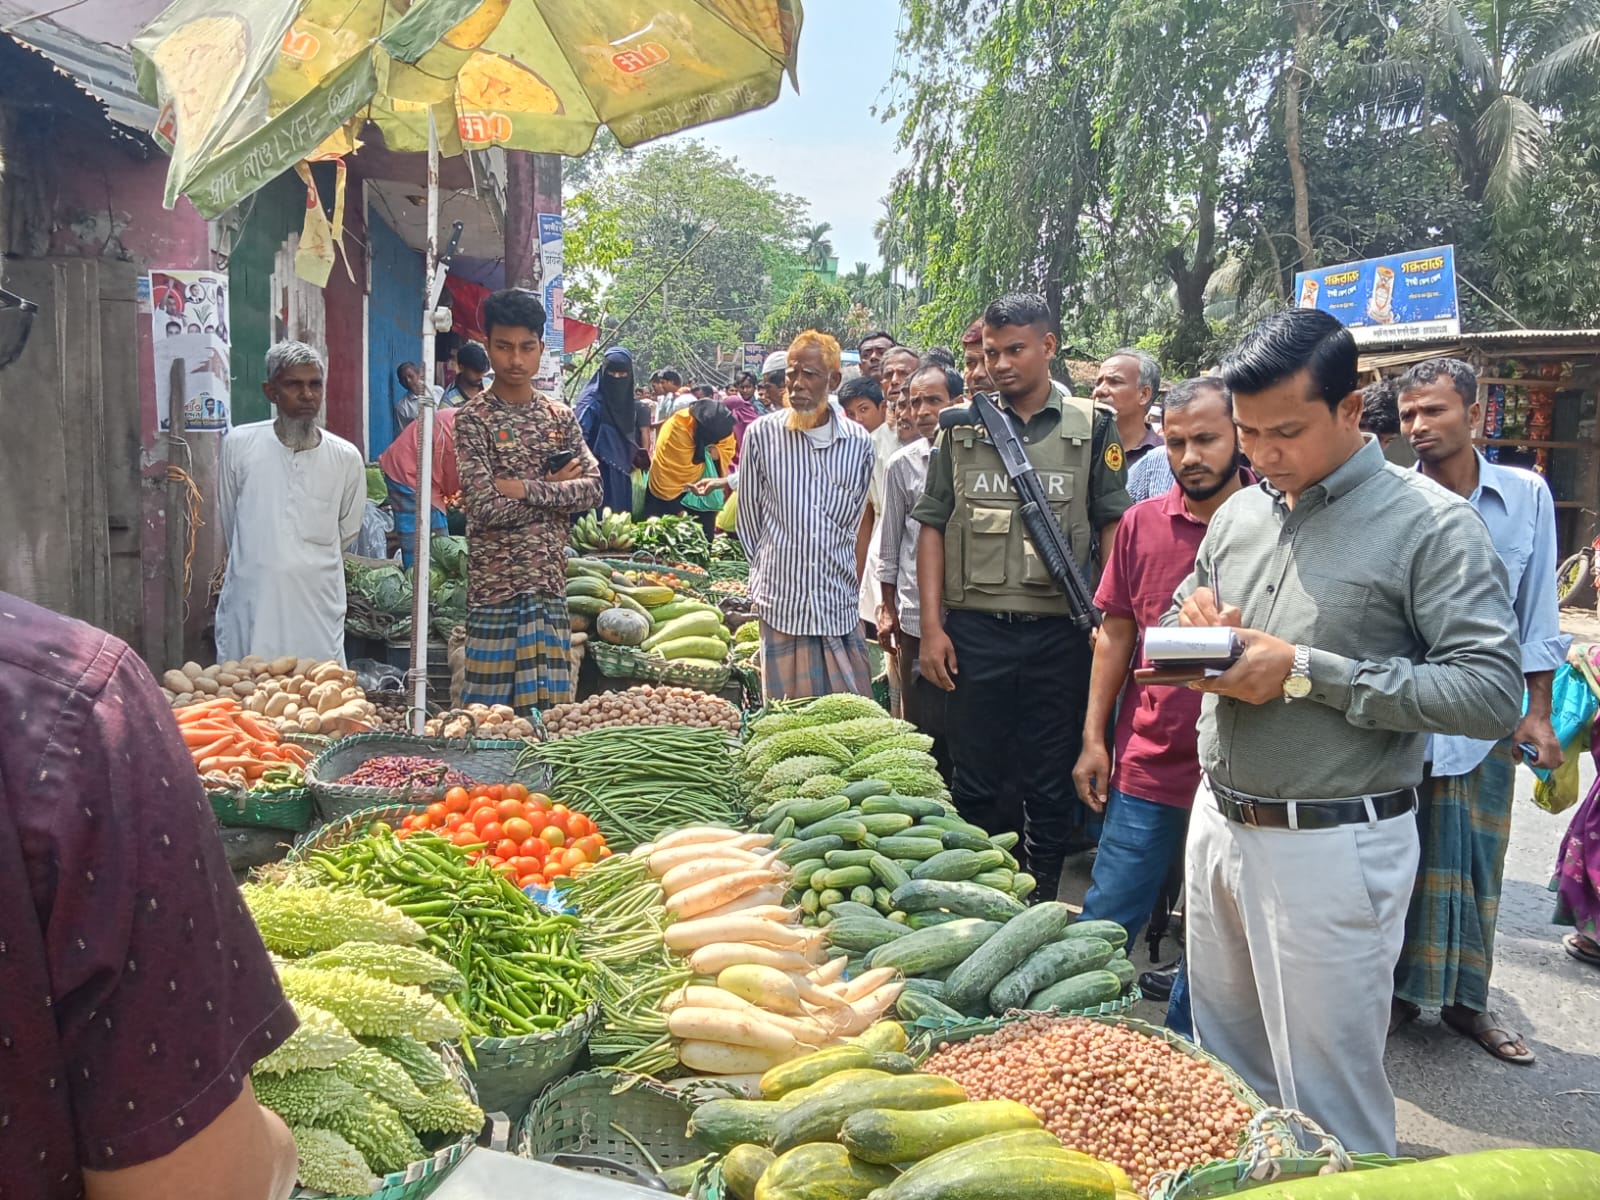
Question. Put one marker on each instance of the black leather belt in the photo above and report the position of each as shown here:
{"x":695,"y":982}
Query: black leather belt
{"x":1014,"y":617}
{"x":1311,"y":814}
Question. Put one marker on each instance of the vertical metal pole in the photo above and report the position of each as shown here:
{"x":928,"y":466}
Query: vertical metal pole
{"x":178,"y":459}
{"x":425,"y":413}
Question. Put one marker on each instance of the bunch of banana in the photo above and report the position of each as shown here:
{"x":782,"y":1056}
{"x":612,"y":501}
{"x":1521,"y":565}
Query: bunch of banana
{"x":610,"y":531}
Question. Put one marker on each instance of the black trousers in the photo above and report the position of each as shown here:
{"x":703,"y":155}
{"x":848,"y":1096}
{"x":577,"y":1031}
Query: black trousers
{"x":923,"y":703}
{"x":1015,"y":725}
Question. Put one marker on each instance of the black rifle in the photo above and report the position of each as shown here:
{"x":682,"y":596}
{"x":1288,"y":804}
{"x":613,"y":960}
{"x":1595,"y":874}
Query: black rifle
{"x":1040,"y":523}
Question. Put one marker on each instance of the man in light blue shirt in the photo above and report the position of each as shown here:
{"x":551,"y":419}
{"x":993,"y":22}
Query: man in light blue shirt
{"x":1150,"y":476}
{"x":1465,"y":817}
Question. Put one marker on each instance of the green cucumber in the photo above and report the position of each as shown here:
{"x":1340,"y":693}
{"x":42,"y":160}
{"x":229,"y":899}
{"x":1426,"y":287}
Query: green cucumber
{"x":999,"y":879}
{"x":809,"y":812}
{"x":956,"y":864}
{"x":846,"y":828}
{"x":886,"y":824}
{"x":775,"y":816}
{"x":849,"y":908}
{"x":931,"y":833}
{"x":928,"y":987}
{"x":784,"y":831}
{"x":963,"y":839}
{"x":890,"y":873}
{"x":898,"y":917}
{"x":815,"y":879}
{"x":927,"y":920}
{"x":1089,"y":990}
{"x":1022,"y":886}
{"x":883,"y":900}
{"x":725,"y":1123}
{"x":857,"y":792}
{"x":914,"y":1005}
{"x":862,"y":934}
{"x":948,"y":823}
{"x":903,"y":846}
{"x":912,"y":806}
{"x":960,"y":896}
{"x":802,"y":872}
{"x":861,"y":894}
{"x":969,"y":984}
{"x":809,"y":902}
{"x":817,"y":1114}
{"x":1007,"y":840}
{"x":1051,"y":963}
{"x":1122,"y":967}
{"x":844,"y":878}
{"x":850,"y":858}
{"x":803,"y":848}
{"x":1110,"y":930}
{"x":824,"y":919}
{"x":828,"y":897}
{"x":924,"y":951}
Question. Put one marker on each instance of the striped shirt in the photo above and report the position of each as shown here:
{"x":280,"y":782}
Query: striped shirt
{"x":801,"y":496}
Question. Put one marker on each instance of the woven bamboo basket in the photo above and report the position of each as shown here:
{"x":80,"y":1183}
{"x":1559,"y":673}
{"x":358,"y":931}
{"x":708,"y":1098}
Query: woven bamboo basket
{"x":291,"y":810}
{"x":626,"y":662}
{"x":611,"y":1115}
{"x":951,"y":1031}
{"x":488,"y":762}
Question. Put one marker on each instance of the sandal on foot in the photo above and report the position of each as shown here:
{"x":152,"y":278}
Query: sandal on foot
{"x":1581,"y":948}
{"x":1401,"y":1014}
{"x":1481,"y":1028}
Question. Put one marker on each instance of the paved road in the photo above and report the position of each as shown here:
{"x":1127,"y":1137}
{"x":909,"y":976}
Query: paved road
{"x":1453,"y":1097}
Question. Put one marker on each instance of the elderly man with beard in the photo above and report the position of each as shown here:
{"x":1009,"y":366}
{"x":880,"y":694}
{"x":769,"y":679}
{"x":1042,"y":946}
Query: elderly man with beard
{"x":291,"y":496}
{"x":803,"y":479}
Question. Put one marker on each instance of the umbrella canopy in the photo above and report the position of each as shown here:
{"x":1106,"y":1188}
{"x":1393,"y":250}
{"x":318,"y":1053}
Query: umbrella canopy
{"x":248,"y":90}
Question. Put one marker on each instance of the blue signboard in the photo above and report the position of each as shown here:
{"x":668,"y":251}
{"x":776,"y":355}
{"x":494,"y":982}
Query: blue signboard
{"x":1387,"y":299}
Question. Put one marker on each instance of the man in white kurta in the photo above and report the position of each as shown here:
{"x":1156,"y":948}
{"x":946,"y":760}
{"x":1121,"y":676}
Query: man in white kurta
{"x":291,"y":496}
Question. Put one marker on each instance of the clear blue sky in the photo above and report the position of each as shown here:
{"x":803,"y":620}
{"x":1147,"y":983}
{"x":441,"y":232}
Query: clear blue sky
{"x":824,"y":143}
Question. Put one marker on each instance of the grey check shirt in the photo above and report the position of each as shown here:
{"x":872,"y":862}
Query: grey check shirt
{"x":1394,"y":585}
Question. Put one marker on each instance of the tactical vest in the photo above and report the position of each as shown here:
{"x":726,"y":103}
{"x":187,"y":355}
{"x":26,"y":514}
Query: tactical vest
{"x":989,"y":562}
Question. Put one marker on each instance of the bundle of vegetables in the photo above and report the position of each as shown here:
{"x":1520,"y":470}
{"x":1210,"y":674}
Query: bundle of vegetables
{"x":725,"y":548}
{"x":406,"y":771}
{"x":1520,"y":1174}
{"x":298,"y":695}
{"x":678,"y":538}
{"x":637,"y":783}
{"x":814,"y":747}
{"x":386,"y":588}
{"x":650,"y":616}
{"x":610,"y":531}
{"x":623,"y":919}
{"x":522,"y":836}
{"x":487,"y":722}
{"x":857,"y":1120}
{"x":237,"y":751}
{"x":1109,"y":1091}
{"x":647,"y":704}
{"x":357,"y":1083}
{"x":519,"y":965}
{"x":771,"y":998}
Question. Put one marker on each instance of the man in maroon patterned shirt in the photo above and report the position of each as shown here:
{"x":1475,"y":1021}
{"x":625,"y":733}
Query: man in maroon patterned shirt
{"x":135,"y":995}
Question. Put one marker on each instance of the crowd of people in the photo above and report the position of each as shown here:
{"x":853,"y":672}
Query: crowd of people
{"x":1330,"y":811}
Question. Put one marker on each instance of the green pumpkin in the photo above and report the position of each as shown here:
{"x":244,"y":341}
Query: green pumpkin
{"x":622,"y":627}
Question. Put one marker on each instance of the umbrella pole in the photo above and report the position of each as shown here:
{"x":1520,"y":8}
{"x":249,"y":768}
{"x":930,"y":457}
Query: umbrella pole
{"x":425,"y":413}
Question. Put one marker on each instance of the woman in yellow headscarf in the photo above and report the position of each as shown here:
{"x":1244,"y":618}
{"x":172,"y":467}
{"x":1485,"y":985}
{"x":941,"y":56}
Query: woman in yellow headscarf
{"x":695,"y":443}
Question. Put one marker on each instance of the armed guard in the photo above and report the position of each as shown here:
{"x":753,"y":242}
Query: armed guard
{"x":999,"y":628}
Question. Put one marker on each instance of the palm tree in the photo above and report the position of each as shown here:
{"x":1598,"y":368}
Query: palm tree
{"x":1491,"y":71}
{"x":818,"y":248}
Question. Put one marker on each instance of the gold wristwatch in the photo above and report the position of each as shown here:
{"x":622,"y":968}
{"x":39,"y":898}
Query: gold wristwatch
{"x":1298,"y":685}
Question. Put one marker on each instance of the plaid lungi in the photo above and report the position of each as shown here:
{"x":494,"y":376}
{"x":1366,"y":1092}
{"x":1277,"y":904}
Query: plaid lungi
{"x":796,"y":666}
{"x":1464,"y":824}
{"x":519,"y":653}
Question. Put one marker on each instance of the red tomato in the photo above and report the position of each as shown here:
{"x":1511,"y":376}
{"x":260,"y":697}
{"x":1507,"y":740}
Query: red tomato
{"x":493,"y":860}
{"x":456,"y":799}
{"x":491,"y":828}
{"x":534,"y":847}
{"x":540,"y":799}
{"x":588,"y":846}
{"x":572,"y":856}
{"x":582,"y":824}
{"x":605,"y":852}
{"x":481,"y":811}
{"x":505,"y":848}
{"x":508,"y":809}
{"x":402,"y":834}
{"x":454,"y":822}
{"x":462,"y":838}
{"x":515,"y":791}
{"x":467,"y":827}
{"x":555,"y":870}
{"x":581,"y":868}
{"x":507,"y":870}
{"x":436,"y":813}
{"x":553,"y":835}
{"x":517,"y":829}
{"x":537,"y":804}
{"x":495,"y":792}
{"x":535,"y":880}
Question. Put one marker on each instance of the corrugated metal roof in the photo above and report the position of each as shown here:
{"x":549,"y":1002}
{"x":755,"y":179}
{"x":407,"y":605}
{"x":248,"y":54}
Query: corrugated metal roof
{"x":1530,"y":335}
{"x":102,"y":71}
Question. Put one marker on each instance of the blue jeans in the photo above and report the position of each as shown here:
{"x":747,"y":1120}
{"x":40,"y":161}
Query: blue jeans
{"x":1136,"y":848}
{"x":1180,"y":1018}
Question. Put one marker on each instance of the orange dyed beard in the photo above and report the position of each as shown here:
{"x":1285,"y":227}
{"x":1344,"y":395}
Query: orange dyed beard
{"x":800,"y":421}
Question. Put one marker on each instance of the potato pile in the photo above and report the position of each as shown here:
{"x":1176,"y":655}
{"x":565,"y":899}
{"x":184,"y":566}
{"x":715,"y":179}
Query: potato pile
{"x":494,"y":723}
{"x":1112,"y":1092}
{"x":647,"y":704}
{"x":298,"y":695}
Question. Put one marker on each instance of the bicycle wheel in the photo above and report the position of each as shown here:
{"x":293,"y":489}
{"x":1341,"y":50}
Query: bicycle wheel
{"x":1575,"y":581}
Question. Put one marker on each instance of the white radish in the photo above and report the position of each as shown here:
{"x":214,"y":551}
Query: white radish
{"x":731,"y":1028}
{"x":700,"y":870}
{"x":864,"y":984}
{"x":691,"y":935}
{"x":714,"y":893}
{"x":751,"y":841}
{"x":765,"y":987}
{"x":865,"y":1011}
{"x":718,"y":1058}
{"x":695,"y":835}
{"x":829,"y":971}
{"x":704,"y":995}
{"x":663,"y":861}
{"x":759,"y":903}
{"x":713,"y":958}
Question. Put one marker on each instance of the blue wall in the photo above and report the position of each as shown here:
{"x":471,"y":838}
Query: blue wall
{"x":394,"y":326}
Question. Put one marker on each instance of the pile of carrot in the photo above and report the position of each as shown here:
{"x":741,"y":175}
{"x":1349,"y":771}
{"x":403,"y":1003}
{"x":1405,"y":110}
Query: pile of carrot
{"x":224,"y":739}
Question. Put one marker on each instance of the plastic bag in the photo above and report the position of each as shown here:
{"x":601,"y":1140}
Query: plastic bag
{"x":374,"y":676}
{"x":373,"y":540}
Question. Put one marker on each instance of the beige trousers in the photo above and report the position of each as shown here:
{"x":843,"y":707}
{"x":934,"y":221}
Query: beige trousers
{"x":1293,"y":936}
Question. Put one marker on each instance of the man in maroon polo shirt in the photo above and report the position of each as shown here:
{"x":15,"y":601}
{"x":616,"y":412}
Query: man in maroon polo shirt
{"x":1147,"y":794}
{"x":135,"y":994}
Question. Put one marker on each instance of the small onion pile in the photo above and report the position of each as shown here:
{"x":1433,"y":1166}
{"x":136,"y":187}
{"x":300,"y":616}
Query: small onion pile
{"x":407,"y":771}
{"x":1119,"y":1095}
{"x":647,"y":704}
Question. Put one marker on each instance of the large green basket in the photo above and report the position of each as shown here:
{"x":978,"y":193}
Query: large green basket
{"x":627,"y":662}
{"x":487,"y":762}
{"x":423,"y":1177}
{"x":292,"y":810}
{"x":951,"y":1031}
{"x":613,"y":1115}
{"x":507,"y":1072}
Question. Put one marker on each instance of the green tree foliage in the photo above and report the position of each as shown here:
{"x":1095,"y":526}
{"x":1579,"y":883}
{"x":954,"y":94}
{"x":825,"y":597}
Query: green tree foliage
{"x":815,"y":304}
{"x":682,"y":248}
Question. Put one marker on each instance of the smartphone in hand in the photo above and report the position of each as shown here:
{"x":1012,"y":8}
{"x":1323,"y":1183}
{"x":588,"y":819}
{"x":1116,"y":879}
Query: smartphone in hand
{"x":556,"y":461}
